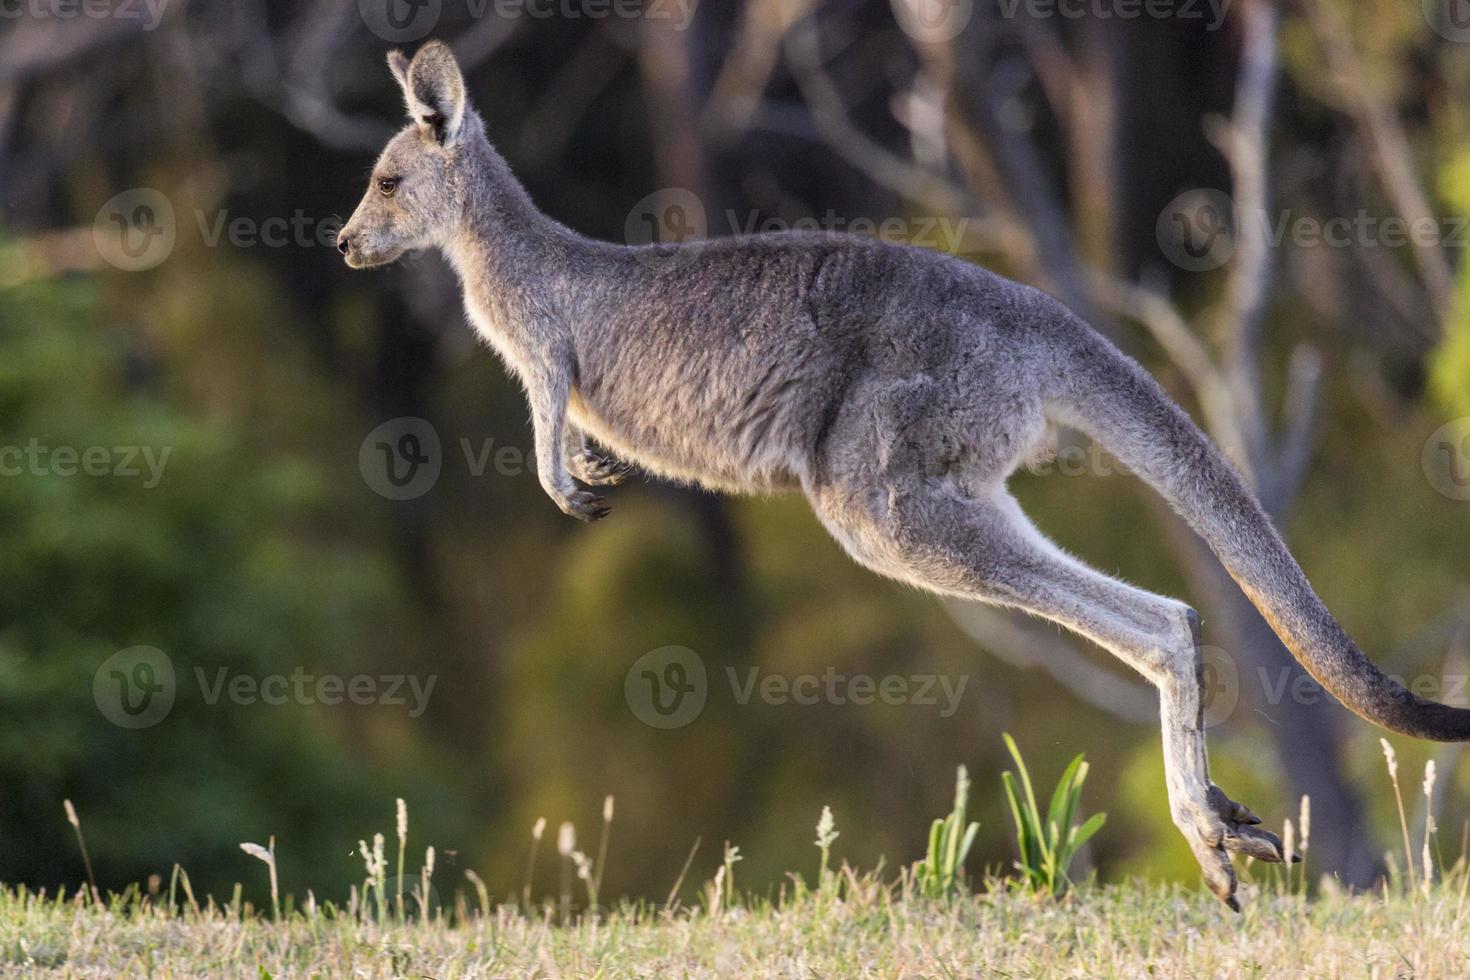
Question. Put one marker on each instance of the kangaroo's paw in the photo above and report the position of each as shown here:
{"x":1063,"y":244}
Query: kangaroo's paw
{"x":598,"y":469}
{"x":585,"y":506}
{"x":1241,"y":833}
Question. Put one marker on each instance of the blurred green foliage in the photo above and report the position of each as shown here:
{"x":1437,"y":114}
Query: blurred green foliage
{"x":222,"y":564}
{"x":1450,"y":370}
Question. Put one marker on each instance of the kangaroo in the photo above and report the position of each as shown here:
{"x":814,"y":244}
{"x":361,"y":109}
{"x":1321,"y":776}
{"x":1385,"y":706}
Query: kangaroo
{"x":897,"y":388}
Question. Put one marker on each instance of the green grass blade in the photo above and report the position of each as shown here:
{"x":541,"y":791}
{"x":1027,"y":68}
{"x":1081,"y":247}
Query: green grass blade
{"x":1021,"y":770}
{"x":1008,"y":780}
{"x":1063,"y":798}
{"x":1089,"y":827}
{"x":968,"y":841}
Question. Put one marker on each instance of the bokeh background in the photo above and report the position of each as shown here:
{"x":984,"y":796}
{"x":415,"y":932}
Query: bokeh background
{"x":1265,"y":203}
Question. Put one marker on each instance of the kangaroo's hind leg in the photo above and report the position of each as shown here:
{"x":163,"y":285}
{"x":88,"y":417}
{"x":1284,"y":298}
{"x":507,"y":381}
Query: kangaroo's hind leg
{"x":925,"y":532}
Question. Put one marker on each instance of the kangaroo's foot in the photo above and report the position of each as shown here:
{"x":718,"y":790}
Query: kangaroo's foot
{"x":1241,"y":833}
{"x":1230,"y":828}
{"x":598,"y":469}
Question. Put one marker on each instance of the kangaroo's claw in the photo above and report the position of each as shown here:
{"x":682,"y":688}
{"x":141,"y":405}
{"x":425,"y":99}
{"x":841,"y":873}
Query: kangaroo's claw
{"x":585,"y":506}
{"x":598,"y":469}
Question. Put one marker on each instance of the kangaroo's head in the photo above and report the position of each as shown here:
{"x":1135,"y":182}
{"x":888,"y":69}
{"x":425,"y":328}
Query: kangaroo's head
{"x":416,"y":193}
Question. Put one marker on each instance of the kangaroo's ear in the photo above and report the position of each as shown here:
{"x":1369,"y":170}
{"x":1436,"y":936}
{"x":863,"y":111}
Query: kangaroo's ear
{"x":398,"y":65}
{"x":434,"y":90}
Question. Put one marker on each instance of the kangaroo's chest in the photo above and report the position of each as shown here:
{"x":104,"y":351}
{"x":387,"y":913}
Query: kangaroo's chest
{"x":504,"y":329}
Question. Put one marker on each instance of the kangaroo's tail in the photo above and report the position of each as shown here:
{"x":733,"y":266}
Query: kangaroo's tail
{"x":1108,"y":396}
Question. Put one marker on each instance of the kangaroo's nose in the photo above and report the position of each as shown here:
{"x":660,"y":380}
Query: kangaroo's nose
{"x":344,"y":242}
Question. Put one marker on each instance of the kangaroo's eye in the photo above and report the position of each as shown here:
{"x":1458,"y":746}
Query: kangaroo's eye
{"x":387,"y":185}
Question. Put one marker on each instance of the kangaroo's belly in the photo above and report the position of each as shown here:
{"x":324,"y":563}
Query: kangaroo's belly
{"x":730,"y":441}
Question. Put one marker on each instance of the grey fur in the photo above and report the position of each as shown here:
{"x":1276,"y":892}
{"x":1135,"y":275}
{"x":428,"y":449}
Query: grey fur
{"x":896,"y":388}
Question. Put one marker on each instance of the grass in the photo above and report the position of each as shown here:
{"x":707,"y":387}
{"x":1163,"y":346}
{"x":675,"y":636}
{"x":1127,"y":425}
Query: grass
{"x":1047,"y":845}
{"x":943,"y":869}
{"x":925,"y":922}
{"x":859,"y":928}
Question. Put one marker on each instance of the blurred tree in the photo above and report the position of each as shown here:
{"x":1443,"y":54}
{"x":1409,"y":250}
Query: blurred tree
{"x":181,"y":535}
